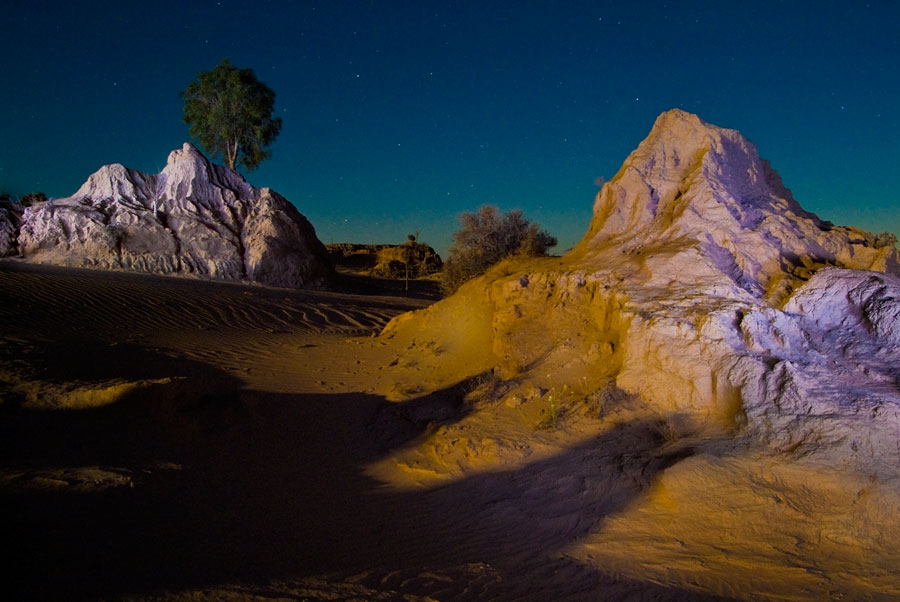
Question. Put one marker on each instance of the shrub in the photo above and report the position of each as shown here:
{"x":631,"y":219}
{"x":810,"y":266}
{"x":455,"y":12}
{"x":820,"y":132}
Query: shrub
{"x":885,"y":239}
{"x":33,"y":198}
{"x":485,"y":238}
{"x":113,"y":236}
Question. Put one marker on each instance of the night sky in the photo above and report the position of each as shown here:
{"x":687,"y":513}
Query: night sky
{"x":400,"y":115}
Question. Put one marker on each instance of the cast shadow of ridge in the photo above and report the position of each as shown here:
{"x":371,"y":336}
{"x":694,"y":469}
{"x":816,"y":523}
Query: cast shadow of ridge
{"x":147,"y":405}
{"x":273,"y":488}
{"x":74,"y":479}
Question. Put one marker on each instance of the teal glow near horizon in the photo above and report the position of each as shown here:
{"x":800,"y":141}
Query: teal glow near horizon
{"x":398,"y":116}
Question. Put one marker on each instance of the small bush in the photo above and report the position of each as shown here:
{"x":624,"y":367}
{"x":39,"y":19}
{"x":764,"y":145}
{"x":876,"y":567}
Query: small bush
{"x":885,"y":239}
{"x":485,"y":238}
{"x":113,"y":236}
{"x":33,"y":198}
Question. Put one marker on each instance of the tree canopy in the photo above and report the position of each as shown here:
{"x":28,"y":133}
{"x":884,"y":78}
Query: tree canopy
{"x":230,"y":114}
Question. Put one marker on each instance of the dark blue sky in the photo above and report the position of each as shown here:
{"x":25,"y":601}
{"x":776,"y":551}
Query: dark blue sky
{"x":400,"y":115}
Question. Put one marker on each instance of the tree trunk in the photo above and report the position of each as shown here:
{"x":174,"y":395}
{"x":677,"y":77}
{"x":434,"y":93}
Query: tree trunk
{"x":231,"y":155}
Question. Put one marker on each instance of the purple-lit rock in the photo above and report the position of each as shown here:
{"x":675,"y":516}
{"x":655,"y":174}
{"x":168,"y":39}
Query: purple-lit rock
{"x":10,"y":222}
{"x":192,"y":218}
{"x":698,"y":196}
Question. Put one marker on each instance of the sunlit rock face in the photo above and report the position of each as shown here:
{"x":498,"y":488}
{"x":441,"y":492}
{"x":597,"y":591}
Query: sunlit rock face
{"x":703,"y":289}
{"x":192,"y":218}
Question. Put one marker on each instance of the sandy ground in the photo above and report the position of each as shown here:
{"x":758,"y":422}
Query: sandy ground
{"x":177,"y":439}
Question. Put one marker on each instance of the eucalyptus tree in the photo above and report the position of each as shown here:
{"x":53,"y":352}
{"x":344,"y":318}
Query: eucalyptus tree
{"x":230,"y":112}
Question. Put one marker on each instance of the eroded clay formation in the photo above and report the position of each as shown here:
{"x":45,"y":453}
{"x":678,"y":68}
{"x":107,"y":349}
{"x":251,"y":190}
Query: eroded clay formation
{"x":194,"y":217}
{"x":702,"y":288}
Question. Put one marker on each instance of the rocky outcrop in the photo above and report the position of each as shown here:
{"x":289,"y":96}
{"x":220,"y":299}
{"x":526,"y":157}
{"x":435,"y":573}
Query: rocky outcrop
{"x":10,"y":222}
{"x":388,"y":261}
{"x":703,"y":289}
{"x":194,"y":217}
{"x":696,"y":200}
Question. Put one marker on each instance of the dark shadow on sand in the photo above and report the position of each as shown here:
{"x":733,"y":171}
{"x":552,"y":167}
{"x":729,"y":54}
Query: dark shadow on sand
{"x":272,"y":486}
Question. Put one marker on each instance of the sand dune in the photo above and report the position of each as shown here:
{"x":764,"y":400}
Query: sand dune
{"x":251,"y":331}
{"x":178,"y":439}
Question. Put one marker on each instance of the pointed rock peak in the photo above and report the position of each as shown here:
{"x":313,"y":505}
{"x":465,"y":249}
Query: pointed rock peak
{"x":698,"y":188}
{"x":107,"y":173}
{"x":679,"y":124}
{"x":187,"y":150}
{"x":189,"y":172}
{"x":679,"y":141}
{"x":188,"y":153}
{"x":110,"y":182}
{"x":679,"y":118}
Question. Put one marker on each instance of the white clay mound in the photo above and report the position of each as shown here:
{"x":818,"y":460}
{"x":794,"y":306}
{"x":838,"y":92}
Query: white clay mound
{"x":194,"y":217}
